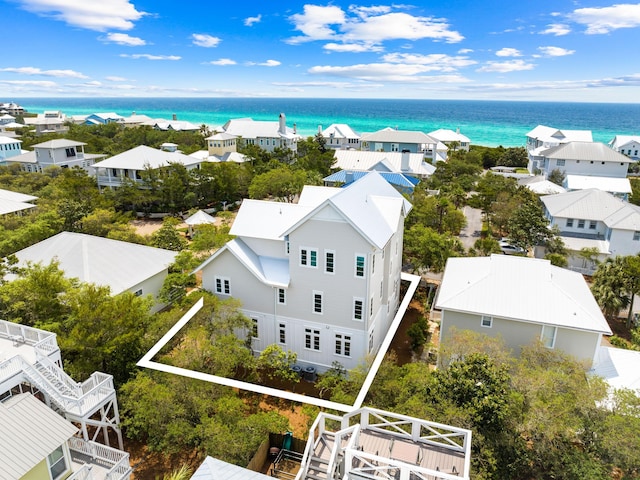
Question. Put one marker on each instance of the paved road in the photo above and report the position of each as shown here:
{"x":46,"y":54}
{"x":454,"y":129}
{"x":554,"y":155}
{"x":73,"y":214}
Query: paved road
{"x":470,"y":233}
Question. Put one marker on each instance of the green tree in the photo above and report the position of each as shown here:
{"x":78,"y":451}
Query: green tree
{"x":167,"y":236}
{"x":528,"y":226}
{"x":557,"y":176}
{"x":274,"y":363}
{"x":426,"y":248}
{"x":281,"y":183}
{"x":609,"y":287}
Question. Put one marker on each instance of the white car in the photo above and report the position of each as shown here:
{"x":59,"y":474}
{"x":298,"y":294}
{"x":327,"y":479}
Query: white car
{"x":509,"y":249}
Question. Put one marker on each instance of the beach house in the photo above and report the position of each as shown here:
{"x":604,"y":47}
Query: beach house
{"x":542,"y":138}
{"x":320,"y":277}
{"x":266,"y":135}
{"x":9,"y":147}
{"x":51,"y":121}
{"x":628,"y":145}
{"x":393,"y":140}
{"x":61,"y":153}
{"x":404,"y":163}
{"x":340,"y":136}
{"x":451,"y":139}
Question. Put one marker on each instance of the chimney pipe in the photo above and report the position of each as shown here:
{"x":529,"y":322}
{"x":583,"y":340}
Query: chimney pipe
{"x":404,"y":160}
{"x":282,"y":128}
{"x":174,"y":117}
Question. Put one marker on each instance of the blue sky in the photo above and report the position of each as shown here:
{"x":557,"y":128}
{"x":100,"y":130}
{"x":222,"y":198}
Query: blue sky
{"x":455,"y":49}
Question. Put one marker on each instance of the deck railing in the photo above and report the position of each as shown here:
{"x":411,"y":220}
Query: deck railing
{"x":83,"y":474}
{"x":115,"y":460}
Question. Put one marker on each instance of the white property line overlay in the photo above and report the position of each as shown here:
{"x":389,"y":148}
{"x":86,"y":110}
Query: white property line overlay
{"x":147,"y":361}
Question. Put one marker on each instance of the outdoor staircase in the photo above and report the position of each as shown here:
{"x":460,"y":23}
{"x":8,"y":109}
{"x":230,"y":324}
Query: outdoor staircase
{"x":318,"y":469}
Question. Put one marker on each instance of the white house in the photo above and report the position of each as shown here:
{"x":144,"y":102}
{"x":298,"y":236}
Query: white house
{"x":340,"y":136}
{"x":38,"y":440}
{"x":405,"y":163}
{"x":121,"y":266}
{"x":320,"y":277}
{"x":451,"y":138}
{"x":392,"y":140}
{"x":112,"y":172}
{"x":52,"y":121}
{"x":542,"y":138}
{"x":628,"y":145}
{"x":221,"y":143}
{"x":13,"y":202}
{"x":56,"y":153}
{"x":266,"y":135}
{"x":594,"y":219}
{"x":9,"y":147}
{"x":592,"y":159}
{"x":540,"y":186}
{"x":495,"y":296}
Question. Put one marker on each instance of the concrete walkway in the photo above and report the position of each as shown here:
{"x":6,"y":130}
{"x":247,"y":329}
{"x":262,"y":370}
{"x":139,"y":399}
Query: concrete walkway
{"x":470,"y":233}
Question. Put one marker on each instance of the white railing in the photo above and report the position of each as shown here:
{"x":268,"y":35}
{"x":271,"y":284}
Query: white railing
{"x":53,"y":369}
{"x":10,"y":367}
{"x":315,"y":433}
{"x":354,"y":431}
{"x":116,"y":460}
{"x":83,"y":474}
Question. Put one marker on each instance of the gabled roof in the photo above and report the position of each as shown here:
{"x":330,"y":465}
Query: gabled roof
{"x":607,"y":184}
{"x":552,"y":135}
{"x":397,"y":179}
{"x":118,"y":265}
{"x":370,"y":205}
{"x":30,"y":432}
{"x":357,"y":160}
{"x":391,"y":135}
{"x":594,"y":204}
{"x":177,"y":125}
{"x":445,"y":135}
{"x":8,"y":140}
{"x":200,"y":218}
{"x":339,"y":130}
{"x":265,"y":219}
{"x":59,"y":143}
{"x":587,"y":151}
{"x":142,"y":157}
{"x":501,"y":286}
{"x":214,"y":469}
{"x":620,"y":141}
{"x":249,"y":128}
{"x":221,"y":136}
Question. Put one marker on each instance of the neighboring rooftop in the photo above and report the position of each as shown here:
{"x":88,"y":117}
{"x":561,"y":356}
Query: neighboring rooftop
{"x":382,"y":161}
{"x":388,"y":135}
{"x":607,"y":184}
{"x":143,"y":157}
{"x":585,"y":151}
{"x":552,"y":135}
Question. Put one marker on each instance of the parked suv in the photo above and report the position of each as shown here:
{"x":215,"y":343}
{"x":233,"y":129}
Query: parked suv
{"x":509,"y":249}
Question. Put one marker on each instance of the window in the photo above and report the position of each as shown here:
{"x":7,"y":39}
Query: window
{"x":371,"y":308}
{"x":312,"y":339}
{"x":371,"y":337}
{"x":70,"y":152}
{"x":138,"y":292}
{"x":560,"y":163}
{"x":592,"y":224}
{"x":569,"y":222}
{"x":317,"y":302}
{"x":57,"y":462}
{"x":223,"y":286}
{"x":308,"y":257}
{"x":359,"y":265}
{"x":282,"y":333}
{"x":548,"y":336}
{"x":254,"y":328}
{"x":486,"y":321}
{"x":282,"y":296}
{"x":343,"y":344}
{"x":395,"y":147}
{"x":580,"y":223}
{"x":329,"y":261}
{"x":636,"y":236}
{"x":357,"y":308}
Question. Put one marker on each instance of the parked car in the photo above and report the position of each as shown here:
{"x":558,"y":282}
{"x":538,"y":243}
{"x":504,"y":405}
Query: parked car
{"x":509,"y":249}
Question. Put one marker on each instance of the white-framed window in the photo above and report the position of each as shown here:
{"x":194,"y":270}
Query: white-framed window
{"x":255,"y":331}
{"x":636,"y":236}
{"x":486,"y":321}
{"x":223,"y":285}
{"x":317,"y":302}
{"x":312,"y":339}
{"x":395,"y":147}
{"x":560,"y":163}
{"x":329,"y":261}
{"x":57,"y":463}
{"x":371,"y":307}
{"x":360,"y":265}
{"x":548,"y":336}
{"x":570,"y":222}
{"x":287,"y":246}
{"x":282,"y":296}
{"x":358,"y":307}
{"x":343,"y":344}
{"x":308,"y":257}
{"x":581,"y":223}
{"x":371,"y":337}
{"x":282,"y":333}
{"x":592,"y":224}
{"x":138,"y":293}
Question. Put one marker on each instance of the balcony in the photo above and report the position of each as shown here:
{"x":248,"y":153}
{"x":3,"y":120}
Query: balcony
{"x":94,"y":461}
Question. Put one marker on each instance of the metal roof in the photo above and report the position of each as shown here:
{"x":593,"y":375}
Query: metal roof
{"x":265,"y":219}
{"x":30,"y":432}
{"x":392,"y":161}
{"x":445,"y":135}
{"x":587,"y":151}
{"x":9,"y":206}
{"x":387,"y":135}
{"x":397,"y":179}
{"x":608,"y":184}
{"x":8,"y":140}
{"x":553,"y":135}
{"x":249,"y":128}
{"x":15,"y":196}
{"x":59,"y":143}
{"x":142,"y":157}
{"x":339,"y":130}
{"x":501,"y":286}
{"x":113,"y":263}
{"x":200,"y":218}
{"x":214,"y":469}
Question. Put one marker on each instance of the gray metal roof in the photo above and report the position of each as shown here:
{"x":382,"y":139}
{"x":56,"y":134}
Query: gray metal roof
{"x":214,"y":469}
{"x":59,"y":143}
{"x":587,"y":151}
{"x":142,"y":156}
{"x":118,"y":265}
{"x":501,"y":286}
{"x":363,"y":161}
{"x":30,"y":432}
{"x":389,"y":135}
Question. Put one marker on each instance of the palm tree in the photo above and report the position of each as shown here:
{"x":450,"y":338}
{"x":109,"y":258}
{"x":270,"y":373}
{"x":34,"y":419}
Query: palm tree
{"x":182,"y":473}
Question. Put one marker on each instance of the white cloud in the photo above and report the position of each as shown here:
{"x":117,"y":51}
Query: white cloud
{"x":33,"y":83}
{"x":268,"y":63}
{"x":249,"y":21}
{"x":45,"y":73}
{"x":137,"y":56}
{"x":555,"y":51}
{"x":92,"y":15}
{"x":557,"y":29}
{"x":338,"y":85}
{"x":222,"y":62}
{"x":113,"y":78}
{"x":367,"y":24}
{"x":508,"y":66}
{"x":391,"y":72}
{"x":508,"y":52}
{"x":123,"y":39}
{"x":606,"y":19}
{"x":204,"y":40}
{"x":434,"y":61}
{"x":352,"y":47}
{"x":462,"y":51}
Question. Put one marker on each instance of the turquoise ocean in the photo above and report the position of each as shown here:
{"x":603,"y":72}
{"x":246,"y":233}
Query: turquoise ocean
{"x":489,"y":123}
